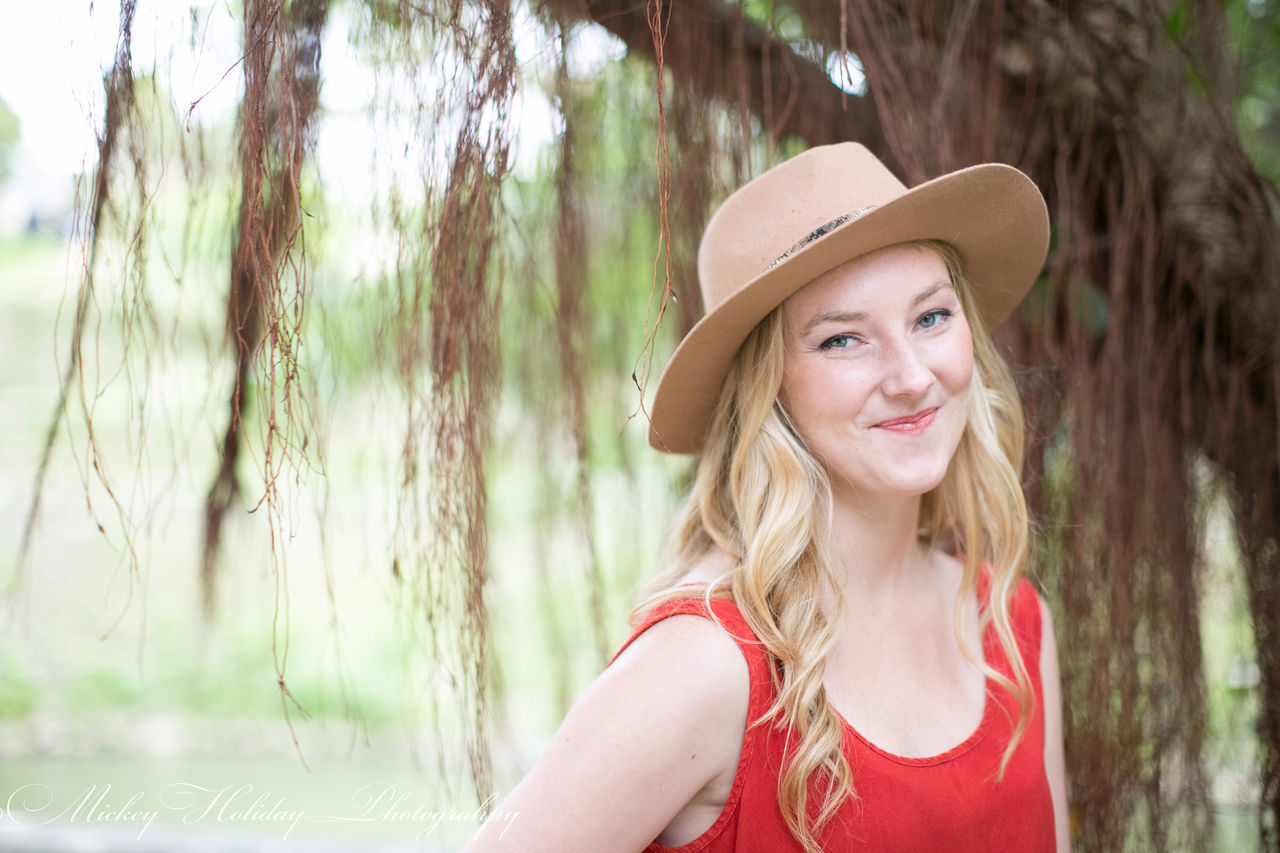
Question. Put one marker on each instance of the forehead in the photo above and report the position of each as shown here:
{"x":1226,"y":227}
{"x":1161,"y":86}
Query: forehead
{"x":885,"y":277}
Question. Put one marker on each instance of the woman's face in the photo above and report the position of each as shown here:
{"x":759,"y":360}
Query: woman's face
{"x":877,"y":369}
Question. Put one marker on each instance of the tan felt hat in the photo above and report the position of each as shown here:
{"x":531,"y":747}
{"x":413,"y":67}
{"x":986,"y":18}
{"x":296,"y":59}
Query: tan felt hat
{"x":811,"y":214}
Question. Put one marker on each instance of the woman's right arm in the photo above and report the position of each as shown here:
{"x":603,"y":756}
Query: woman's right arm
{"x":664,"y":722}
{"x":1055,"y":764}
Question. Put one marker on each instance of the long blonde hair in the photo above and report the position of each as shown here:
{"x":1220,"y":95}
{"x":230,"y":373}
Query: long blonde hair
{"x":760,"y":496}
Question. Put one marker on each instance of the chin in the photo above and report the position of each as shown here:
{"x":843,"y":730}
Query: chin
{"x":919,"y":482}
{"x":918,"y":488}
{"x":908,"y":486}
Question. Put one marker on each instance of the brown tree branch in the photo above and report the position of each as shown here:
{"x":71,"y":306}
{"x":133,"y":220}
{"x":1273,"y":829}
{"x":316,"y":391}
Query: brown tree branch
{"x":727,"y":56}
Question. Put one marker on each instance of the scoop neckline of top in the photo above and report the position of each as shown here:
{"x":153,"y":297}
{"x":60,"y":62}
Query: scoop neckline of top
{"x":974,"y":738}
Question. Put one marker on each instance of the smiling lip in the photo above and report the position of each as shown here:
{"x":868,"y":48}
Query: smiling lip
{"x":911,"y":424}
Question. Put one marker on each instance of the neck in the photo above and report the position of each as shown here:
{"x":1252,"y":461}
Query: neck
{"x":873,"y":546}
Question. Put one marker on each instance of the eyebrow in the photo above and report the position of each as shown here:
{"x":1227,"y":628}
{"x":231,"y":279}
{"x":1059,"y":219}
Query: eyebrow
{"x":856,"y":316}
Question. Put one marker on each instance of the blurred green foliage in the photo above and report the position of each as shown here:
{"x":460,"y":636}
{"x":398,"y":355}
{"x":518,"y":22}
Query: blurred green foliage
{"x":18,"y":692}
{"x":10,"y":135}
{"x":1255,"y":53}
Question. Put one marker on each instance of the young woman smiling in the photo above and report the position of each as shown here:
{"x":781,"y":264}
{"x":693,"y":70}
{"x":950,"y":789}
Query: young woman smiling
{"x":841,"y":652}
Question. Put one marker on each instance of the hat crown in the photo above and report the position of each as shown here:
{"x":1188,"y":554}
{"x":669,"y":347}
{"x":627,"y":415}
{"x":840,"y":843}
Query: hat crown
{"x":775,"y":214}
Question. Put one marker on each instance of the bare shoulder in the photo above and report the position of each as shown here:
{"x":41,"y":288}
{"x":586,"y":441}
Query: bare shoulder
{"x":688,"y":661}
{"x":1048,"y":639}
{"x":715,"y":565}
{"x":661,"y":726}
{"x":1046,"y":615}
{"x":690,"y":657}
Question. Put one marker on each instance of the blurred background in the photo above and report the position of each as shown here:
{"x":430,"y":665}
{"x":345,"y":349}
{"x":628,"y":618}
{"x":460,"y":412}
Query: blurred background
{"x":324,"y":333}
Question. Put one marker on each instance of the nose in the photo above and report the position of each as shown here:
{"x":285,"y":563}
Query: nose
{"x":905,"y":372}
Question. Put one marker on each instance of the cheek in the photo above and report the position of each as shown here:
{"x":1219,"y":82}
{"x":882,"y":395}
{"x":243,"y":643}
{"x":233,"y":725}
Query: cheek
{"x":796,"y":396}
{"x":814,"y":394}
{"x":957,"y":370}
{"x":785,"y":392}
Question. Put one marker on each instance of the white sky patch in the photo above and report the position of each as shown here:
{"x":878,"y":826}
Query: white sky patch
{"x":536,"y":117}
{"x":593,"y":47}
{"x":54,"y":55}
{"x":361,"y":156}
{"x":52,"y":59}
{"x":204,"y":72}
{"x":345,"y":139}
{"x":845,"y":70}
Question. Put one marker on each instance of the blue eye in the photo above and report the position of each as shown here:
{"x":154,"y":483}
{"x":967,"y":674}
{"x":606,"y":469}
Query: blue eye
{"x":933,"y":318}
{"x":838,"y":342}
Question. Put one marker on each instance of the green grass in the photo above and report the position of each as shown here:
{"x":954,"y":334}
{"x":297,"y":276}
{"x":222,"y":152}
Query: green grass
{"x":18,"y":693}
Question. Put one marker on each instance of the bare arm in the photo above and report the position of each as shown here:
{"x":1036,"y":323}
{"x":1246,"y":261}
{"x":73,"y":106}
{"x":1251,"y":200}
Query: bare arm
{"x":1055,"y":764}
{"x":660,"y":725}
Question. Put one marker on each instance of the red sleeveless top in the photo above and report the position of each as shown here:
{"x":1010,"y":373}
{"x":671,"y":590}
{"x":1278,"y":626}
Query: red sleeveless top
{"x":949,"y":802}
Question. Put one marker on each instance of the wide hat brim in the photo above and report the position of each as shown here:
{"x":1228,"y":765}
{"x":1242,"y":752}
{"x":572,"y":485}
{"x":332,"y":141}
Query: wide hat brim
{"x":992,"y":214}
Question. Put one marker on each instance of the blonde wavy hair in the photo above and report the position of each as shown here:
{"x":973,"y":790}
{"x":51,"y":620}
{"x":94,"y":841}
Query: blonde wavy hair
{"x":760,"y":496}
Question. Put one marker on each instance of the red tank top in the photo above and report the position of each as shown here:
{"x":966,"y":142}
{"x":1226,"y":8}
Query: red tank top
{"x":949,"y":802}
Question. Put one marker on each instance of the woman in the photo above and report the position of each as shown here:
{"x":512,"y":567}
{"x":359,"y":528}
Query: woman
{"x":842,"y":654}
